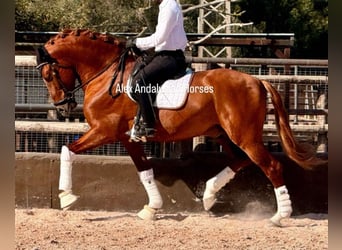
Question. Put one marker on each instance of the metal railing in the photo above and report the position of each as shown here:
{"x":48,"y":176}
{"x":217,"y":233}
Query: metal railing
{"x":304,"y":87}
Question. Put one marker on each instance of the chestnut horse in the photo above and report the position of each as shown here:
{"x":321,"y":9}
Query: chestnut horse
{"x":233,"y":113}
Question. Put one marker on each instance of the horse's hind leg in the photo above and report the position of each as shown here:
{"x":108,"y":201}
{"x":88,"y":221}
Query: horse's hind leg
{"x":214,"y":184}
{"x":274,"y":171}
{"x":245,"y":128}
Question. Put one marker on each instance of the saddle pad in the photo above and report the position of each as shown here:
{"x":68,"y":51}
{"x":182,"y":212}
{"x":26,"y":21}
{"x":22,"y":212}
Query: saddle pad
{"x":173,"y":93}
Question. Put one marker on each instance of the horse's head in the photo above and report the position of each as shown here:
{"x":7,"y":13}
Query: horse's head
{"x":60,"y":81}
{"x":71,"y":55}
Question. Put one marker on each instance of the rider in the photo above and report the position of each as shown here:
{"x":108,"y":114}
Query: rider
{"x":169,"y":41}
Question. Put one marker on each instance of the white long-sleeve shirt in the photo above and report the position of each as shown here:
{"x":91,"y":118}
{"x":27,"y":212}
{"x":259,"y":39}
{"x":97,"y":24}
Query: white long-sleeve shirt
{"x":169,"y":34}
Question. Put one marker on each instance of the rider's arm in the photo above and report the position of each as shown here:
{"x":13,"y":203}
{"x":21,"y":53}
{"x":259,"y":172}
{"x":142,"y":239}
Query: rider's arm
{"x":167,"y":20}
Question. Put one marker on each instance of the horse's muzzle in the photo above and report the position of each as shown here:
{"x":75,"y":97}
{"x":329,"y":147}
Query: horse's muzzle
{"x":65,"y":109}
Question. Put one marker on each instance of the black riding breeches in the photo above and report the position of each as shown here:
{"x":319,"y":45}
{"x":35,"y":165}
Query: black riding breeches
{"x":164,"y":65}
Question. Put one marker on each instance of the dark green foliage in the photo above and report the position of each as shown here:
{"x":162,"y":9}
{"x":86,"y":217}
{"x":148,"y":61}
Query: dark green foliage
{"x":307,"y":19}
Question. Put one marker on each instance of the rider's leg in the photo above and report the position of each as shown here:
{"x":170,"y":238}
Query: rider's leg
{"x":161,"y":68}
{"x":145,"y":102}
{"x":142,"y":127}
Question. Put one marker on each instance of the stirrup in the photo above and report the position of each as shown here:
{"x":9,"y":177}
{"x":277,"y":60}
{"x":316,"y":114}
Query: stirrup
{"x":139,"y":131}
{"x":140,"y":135}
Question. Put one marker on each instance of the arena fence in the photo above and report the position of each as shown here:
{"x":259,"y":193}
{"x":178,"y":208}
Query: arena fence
{"x":303,"y":87}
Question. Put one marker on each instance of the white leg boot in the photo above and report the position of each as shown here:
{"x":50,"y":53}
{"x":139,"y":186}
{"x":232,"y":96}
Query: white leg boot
{"x":155,"y":199}
{"x":65,"y":181}
{"x":284,"y":208}
{"x":214,"y":184}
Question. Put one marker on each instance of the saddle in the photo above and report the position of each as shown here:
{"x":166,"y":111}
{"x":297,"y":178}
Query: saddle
{"x":171,"y":94}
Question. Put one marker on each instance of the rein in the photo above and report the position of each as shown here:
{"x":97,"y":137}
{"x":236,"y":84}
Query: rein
{"x":119,"y":69}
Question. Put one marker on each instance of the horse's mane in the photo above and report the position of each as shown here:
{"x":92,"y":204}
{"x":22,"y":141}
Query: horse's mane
{"x":92,"y":35}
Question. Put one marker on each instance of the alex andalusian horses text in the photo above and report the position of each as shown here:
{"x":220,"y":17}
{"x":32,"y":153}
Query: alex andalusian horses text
{"x":233,"y":113}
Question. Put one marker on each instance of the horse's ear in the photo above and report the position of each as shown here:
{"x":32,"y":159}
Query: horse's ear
{"x":41,"y":56}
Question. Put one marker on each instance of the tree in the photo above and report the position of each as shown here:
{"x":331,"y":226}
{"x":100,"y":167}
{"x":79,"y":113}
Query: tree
{"x":34,"y":15}
{"x":99,"y":15}
{"x":307,"y":19}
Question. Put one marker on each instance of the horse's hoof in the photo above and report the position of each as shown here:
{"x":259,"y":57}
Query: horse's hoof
{"x":275,"y":220}
{"x":147,"y":213}
{"x":67,"y":199}
{"x":272,"y":223}
{"x":208,"y":202}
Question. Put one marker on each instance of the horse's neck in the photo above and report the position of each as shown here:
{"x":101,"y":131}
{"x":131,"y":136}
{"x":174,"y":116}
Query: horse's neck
{"x":95,"y":63}
{"x":110,"y":70}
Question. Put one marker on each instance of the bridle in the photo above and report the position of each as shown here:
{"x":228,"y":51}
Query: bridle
{"x":69,"y":95}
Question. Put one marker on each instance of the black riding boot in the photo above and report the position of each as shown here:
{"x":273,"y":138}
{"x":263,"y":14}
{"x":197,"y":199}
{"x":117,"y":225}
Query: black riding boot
{"x":146,"y":109}
{"x":143,"y":127}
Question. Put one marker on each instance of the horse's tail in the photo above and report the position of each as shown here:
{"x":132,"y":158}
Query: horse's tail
{"x":303,"y":154}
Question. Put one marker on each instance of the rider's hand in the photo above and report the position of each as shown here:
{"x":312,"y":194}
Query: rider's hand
{"x":130,"y":43}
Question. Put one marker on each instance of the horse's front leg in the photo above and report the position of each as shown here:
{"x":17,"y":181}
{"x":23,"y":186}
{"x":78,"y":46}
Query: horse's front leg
{"x":146,"y":175}
{"x":89,"y":140}
{"x":67,"y":198}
